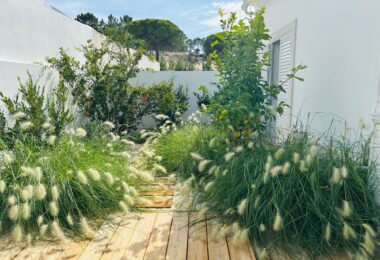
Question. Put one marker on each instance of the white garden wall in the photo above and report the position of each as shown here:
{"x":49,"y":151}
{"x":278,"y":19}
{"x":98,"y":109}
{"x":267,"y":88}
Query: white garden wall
{"x":31,"y":31}
{"x":190,"y":79}
{"x":339,"y":41}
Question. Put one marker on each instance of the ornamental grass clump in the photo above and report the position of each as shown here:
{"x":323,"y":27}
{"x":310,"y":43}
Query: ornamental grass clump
{"x":60,"y":189}
{"x":313,"y":196}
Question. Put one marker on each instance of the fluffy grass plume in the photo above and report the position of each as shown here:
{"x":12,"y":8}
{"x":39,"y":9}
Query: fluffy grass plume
{"x":56,"y":187}
{"x":321,"y":189}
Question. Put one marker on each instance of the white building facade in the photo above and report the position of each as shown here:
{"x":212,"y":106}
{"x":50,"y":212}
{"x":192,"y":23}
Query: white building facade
{"x":30,"y":31}
{"x":339,"y":41}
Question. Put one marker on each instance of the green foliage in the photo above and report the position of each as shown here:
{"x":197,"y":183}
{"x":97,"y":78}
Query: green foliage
{"x":176,"y":147}
{"x":116,"y":29}
{"x":244,"y":103}
{"x":3,"y":125}
{"x":167,"y":100}
{"x":194,"y":46}
{"x":55,"y":181}
{"x":179,"y":65}
{"x":190,"y":61}
{"x":309,"y":183}
{"x":163,"y":65}
{"x":184,"y":63}
{"x":205,"y":98}
{"x":35,"y":109}
{"x":159,"y":35}
{"x":101,"y":90}
{"x":207,"y":64}
{"x":89,"y":19}
{"x":58,"y":112}
{"x":212,"y":44}
{"x":81,"y":177}
{"x":100,"y":85}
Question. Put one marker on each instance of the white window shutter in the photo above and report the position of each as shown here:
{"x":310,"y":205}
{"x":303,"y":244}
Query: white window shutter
{"x":286,"y":36}
{"x":283,"y":122}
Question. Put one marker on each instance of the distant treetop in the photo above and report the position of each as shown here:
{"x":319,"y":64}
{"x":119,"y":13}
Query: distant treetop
{"x":159,"y":35}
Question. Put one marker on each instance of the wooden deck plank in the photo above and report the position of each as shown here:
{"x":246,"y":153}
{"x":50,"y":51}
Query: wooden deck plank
{"x":33,"y":251}
{"x":139,"y":242}
{"x":52,"y":251}
{"x":240,"y":251}
{"x":72,"y":250}
{"x":158,"y":190}
{"x":121,"y":238}
{"x":159,"y":238}
{"x":157,"y":202}
{"x":165,"y":180}
{"x":11,"y":250}
{"x":177,"y":245}
{"x":98,"y":245}
{"x":217,"y":246}
{"x":4,"y":242}
{"x":197,"y":240}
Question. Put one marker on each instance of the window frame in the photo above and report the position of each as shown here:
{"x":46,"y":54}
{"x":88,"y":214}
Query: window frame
{"x":287,"y":31}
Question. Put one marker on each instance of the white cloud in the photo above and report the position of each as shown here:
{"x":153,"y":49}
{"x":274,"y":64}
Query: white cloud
{"x":213,"y":18}
{"x":234,"y":6}
{"x":212,"y":22}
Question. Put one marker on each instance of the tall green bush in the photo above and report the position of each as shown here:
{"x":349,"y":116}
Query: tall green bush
{"x":36,"y":114}
{"x":244,"y":104}
{"x":100,"y":86}
{"x":167,"y":100}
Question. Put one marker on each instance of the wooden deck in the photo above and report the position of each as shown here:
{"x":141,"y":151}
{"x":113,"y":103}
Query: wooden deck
{"x":148,"y":235}
{"x":158,"y":234}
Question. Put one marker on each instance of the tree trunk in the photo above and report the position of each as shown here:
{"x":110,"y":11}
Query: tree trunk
{"x":157,"y":55}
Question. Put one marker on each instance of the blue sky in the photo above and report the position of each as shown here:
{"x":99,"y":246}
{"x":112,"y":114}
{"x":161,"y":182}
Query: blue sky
{"x":197,"y":18}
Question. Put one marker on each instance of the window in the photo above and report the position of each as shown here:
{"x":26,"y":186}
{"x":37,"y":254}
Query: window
{"x":282,"y":61}
{"x":275,"y":63}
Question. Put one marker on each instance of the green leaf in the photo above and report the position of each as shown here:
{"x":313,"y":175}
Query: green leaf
{"x":214,"y":43}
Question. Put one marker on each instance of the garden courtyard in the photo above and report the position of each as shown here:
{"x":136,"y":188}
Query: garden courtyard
{"x":95,"y":167}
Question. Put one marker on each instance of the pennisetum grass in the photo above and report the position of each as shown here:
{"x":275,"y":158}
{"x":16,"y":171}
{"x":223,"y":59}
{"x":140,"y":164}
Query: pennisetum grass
{"x":54,"y":187}
{"x":313,"y":193}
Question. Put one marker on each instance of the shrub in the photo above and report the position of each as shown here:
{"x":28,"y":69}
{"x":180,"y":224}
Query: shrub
{"x":163,"y":65}
{"x":100,"y":85}
{"x":168,"y":101}
{"x":101,"y":90}
{"x":204,"y":100}
{"x":35,"y":114}
{"x":244,"y":104}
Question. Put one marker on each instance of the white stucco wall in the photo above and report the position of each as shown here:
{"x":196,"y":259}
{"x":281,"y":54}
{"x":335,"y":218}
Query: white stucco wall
{"x":31,"y":31}
{"x":339,"y":41}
